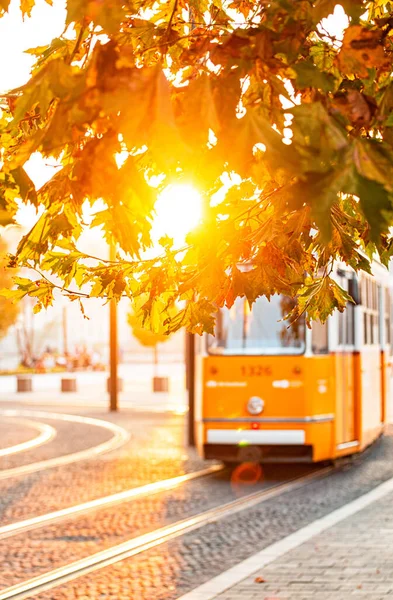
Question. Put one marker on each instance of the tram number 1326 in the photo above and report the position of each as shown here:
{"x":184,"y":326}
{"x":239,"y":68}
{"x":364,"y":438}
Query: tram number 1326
{"x":255,"y":371}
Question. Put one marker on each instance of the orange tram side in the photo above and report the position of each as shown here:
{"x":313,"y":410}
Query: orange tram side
{"x":268,"y":393}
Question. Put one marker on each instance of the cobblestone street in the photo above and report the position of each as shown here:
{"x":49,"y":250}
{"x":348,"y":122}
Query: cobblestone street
{"x":156,"y":450}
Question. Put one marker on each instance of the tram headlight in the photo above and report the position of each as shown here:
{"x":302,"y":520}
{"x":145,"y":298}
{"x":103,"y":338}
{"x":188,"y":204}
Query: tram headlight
{"x":255,"y":405}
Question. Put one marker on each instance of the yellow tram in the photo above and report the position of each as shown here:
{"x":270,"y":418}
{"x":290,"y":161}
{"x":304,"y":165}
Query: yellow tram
{"x":268,"y":393}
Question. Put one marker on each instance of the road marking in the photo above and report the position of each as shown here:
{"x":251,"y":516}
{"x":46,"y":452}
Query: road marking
{"x":212,"y":588}
{"x":94,"y":562}
{"x":120,"y":437}
{"x":104,"y":502}
{"x":46,"y":434}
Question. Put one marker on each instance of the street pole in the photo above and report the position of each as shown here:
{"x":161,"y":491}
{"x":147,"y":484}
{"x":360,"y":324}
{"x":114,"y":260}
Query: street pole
{"x":190,"y":384}
{"x":113,"y":345}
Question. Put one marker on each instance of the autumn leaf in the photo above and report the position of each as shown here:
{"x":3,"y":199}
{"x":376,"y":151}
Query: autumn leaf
{"x":362,"y":49}
{"x":320,"y":298}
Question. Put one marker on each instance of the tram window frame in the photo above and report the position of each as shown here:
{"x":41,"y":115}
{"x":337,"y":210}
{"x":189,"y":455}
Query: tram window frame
{"x":346,"y":319}
{"x":346,"y":327}
{"x":371,"y":311}
{"x":318,"y":328}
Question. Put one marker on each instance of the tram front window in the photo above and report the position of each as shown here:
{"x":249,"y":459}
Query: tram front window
{"x":260,"y":330}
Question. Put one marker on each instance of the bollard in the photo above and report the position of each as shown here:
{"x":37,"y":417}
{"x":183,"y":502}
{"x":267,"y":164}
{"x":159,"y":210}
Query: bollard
{"x":119,"y":385}
{"x":160,"y":384}
{"x":68,"y":384}
{"x":24,"y":383}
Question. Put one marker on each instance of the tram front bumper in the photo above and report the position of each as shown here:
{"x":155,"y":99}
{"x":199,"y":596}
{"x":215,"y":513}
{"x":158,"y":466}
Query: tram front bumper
{"x":260,"y":436}
{"x":265,"y":453}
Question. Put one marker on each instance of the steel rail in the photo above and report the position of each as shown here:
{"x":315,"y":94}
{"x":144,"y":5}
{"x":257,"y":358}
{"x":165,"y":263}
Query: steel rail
{"x":46,"y":433}
{"x":99,"y":560}
{"x":105,"y":502}
{"x":120,"y":437}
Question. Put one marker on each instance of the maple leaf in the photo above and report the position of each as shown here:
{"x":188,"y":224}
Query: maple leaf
{"x":321,"y":297}
{"x":362,"y":49}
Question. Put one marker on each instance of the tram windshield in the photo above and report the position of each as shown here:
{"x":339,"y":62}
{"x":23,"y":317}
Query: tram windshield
{"x":260,"y":330}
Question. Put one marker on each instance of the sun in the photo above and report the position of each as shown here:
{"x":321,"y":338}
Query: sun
{"x":178,"y":210}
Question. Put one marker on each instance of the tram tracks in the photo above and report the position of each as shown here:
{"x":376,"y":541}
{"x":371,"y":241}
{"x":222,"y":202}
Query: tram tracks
{"x":105,"y":502}
{"x":137,"y":545}
{"x":46,"y":434}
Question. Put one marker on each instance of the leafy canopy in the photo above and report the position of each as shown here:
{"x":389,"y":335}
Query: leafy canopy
{"x":192,"y":90}
{"x":8,"y":309}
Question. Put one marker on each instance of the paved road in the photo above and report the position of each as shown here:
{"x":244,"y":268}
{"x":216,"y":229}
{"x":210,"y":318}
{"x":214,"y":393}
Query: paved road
{"x":156,"y":450}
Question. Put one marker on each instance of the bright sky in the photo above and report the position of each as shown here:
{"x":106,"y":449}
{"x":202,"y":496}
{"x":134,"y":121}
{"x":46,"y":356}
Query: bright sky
{"x":16,"y":36}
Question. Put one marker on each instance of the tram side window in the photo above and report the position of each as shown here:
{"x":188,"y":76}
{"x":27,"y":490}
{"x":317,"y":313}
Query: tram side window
{"x":340,"y":329}
{"x":350,"y":324}
{"x":346,"y":326}
{"x":319,"y":338}
{"x":370,"y":311}
{"x":387,"y":316}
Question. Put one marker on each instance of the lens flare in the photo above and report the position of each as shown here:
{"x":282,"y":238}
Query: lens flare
{"x":178,"y":210}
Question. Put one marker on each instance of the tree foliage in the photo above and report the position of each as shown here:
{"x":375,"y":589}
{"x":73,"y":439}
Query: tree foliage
{"x":8,"y":309}
{"x":193,"y":89}
{"x":147,"y":337}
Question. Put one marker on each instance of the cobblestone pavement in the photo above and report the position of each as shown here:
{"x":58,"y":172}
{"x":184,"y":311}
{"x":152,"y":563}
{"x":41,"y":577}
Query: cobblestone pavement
{"x":77,"y":538}
{"x":353,"y":559}
{"x":172,"y":569}
{"x":156,"y":451}
{"x":12,"y":433}
{"x":70,"y":437}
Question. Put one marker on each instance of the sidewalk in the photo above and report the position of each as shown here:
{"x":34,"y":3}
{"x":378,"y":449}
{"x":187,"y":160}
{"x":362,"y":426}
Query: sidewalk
{"x":92,"y":389}
{"x":346,"y":555}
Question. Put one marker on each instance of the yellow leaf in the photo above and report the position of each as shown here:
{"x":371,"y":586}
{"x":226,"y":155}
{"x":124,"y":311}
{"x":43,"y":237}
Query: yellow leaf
{"x":37,"y":308}
{"x":26,"y":7}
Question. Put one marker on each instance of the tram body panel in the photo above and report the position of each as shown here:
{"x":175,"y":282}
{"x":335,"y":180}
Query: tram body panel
{"x":371,"y":395}
{"x":346,"y":397}
{"x":386,"y":366}
{"x":298,"y":404}
{"x":322,"y":393}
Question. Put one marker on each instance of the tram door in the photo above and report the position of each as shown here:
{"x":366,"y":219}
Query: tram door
{"x":345,"y":373}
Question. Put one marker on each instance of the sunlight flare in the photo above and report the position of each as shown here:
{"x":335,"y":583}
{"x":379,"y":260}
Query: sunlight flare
{"x":178,"y":210}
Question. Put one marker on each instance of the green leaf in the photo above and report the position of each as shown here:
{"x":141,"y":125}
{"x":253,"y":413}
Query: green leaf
{"x":376,"y":204}
{"x":374,"y":160}
{"x":309,"y":76}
